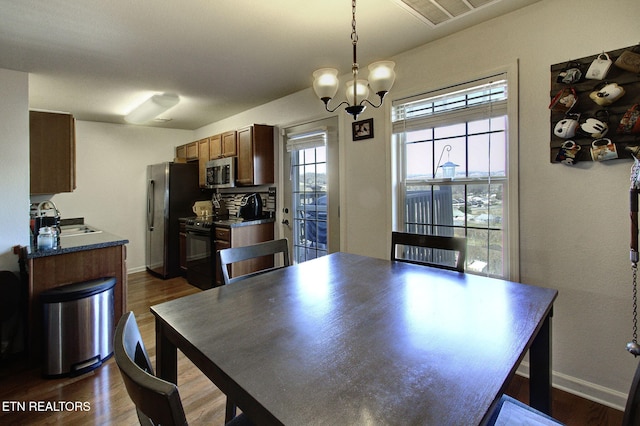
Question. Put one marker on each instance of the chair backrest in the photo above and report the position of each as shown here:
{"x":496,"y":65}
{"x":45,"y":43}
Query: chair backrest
{"x":632,"y":409}
{"x":237,"y":254}
{"x":454,"y":244}
{"x":157,"y":401}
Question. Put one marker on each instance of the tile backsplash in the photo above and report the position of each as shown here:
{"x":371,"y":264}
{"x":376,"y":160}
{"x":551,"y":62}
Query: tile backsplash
{"x":232,"y":200}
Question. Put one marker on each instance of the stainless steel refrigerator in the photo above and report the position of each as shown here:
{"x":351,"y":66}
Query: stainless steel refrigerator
{"x":172,"y":188}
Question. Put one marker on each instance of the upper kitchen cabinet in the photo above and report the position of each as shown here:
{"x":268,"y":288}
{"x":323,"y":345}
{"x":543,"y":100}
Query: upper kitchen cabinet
{"x":52,"y":150}
{"x":222,"y":145}
{"x":255,"y":155}
{"x":215,"y":147}
{"x":181,"y":152}
{"x":229,"y":148}
{"x":192,"y":151}
{"x":203,"y":157}
{"x":188,"y":151}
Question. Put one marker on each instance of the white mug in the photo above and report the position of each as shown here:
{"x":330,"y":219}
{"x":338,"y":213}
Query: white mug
{"x":603,"y":149}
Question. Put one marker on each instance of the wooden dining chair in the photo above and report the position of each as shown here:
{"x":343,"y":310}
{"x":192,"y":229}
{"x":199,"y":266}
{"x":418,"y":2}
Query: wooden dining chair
{"x":415,"y":245}
{"x":228,"y":256}
{"x":157,"y":401}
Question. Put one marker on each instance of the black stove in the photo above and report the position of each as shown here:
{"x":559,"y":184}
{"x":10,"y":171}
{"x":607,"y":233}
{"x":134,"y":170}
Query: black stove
{"x":200,"y":222}
{"x":201,"y":259}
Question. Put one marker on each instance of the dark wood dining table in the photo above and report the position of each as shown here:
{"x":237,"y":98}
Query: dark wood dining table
{"x":347,"y":339}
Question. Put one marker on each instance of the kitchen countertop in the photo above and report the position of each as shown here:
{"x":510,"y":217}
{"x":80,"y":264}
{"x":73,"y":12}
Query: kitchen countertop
{"x":234,"y":222}
{"x":71,"y":244}
{"x":238,"y":221}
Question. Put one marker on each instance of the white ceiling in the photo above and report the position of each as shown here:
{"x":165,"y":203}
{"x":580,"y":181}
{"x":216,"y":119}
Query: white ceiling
{"x":97,"y":59}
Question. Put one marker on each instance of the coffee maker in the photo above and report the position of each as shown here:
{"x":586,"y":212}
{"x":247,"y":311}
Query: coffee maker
{"x":251,"y":207}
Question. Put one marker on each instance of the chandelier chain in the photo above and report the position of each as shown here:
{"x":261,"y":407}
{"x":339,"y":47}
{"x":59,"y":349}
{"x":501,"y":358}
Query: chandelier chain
{"x":354,"y":34}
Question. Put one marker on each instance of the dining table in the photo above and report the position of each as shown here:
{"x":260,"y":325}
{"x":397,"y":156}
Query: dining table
{"x":354,"y":340}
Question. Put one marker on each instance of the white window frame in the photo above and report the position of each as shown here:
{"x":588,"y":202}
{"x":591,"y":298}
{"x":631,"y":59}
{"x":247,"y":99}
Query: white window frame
{"x":511,"y":251}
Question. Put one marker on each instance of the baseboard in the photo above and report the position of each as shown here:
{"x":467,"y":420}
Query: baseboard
{"x":138,"y":269}
{"x":582,"y":388}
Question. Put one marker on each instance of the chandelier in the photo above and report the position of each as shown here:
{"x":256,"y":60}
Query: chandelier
{"x":381,"y":78}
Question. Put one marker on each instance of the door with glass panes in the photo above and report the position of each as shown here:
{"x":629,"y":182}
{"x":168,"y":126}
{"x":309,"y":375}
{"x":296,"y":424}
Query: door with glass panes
{"x":311,"y":191}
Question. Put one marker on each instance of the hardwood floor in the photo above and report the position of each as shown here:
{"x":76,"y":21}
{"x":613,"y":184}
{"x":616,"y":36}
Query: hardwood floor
{"x":108,"y":402}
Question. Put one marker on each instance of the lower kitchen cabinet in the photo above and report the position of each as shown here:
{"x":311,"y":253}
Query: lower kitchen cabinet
{"x":238,"y":236}
{"x":103,"y":259}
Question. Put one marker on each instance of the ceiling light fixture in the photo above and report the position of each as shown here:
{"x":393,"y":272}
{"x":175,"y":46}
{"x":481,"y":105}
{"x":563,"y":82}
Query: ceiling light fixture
{"x":381,"y":78}
{"x":151,"y":108}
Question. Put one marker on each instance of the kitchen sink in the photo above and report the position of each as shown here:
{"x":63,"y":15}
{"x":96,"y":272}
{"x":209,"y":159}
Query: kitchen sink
{"x":74,"y":230}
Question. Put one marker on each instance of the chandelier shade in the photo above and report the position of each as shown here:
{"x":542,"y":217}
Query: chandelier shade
{"x":381,"y":77}
{"x":325,"y":83}
{"x":361,"y":93}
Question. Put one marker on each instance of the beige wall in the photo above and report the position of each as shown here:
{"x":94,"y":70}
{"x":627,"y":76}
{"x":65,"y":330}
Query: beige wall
{"x":14,"y":165}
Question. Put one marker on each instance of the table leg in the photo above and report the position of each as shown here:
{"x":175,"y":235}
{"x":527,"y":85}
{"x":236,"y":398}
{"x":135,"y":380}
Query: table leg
{"x":166,"y":356}
{"x":540,"y":368}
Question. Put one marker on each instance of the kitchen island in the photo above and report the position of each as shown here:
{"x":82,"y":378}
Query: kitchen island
{"x":80,"y":257}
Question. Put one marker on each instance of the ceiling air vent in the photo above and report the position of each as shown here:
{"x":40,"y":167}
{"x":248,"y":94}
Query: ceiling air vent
{"x":436,"y":12}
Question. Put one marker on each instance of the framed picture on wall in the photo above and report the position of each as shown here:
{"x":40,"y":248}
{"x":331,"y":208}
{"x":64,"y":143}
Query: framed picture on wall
{"x":362,"y":129}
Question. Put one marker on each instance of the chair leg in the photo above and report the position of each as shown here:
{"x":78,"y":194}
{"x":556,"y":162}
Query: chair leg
{"x":230,"y":411}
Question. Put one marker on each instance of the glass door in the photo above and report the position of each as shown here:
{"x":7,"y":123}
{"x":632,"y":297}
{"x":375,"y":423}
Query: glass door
{"x":311,"y":190}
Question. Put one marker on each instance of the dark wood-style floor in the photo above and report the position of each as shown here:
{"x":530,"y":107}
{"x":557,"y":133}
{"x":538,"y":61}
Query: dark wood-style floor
{"x":204,"y":404}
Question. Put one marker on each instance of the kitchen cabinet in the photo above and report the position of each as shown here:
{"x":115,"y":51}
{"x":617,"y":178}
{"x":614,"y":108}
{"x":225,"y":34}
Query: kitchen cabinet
{"x":203,"y":157}
{"x":255,"y":155}
{"x":229,"y":142}
{"x":239,"y":236}
{"x":181,"y":152}
{"x":222,"y":145}
{"x":102,"y":256}
{"x":52,"y":152}
{"x":215,"y":147}
{"x":192,"y":151}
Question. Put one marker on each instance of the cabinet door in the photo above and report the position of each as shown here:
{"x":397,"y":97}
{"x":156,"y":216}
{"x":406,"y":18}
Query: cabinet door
{"x":229,"y":144}
{"x":203,"y":157}
{"x":181,"y":152}
{"x":255,"y":155}
{"x":52,"y":152}
{"x":215,"y":147}
{"x":192,"y":151}
{"x":244,"y":172}
{"x":246,"y":236}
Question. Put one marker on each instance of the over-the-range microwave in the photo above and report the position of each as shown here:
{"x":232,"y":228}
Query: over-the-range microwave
{"x":221,"y":172}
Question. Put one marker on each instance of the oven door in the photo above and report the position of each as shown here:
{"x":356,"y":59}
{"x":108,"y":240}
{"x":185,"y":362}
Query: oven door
{"x":200,"y":258}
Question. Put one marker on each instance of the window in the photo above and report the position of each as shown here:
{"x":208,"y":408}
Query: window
{"x":454,"y":176}
{"x":309,"y":194}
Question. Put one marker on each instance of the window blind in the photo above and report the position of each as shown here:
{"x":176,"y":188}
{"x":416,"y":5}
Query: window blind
{"x":307,"y":140}
{"x":481,"y":98}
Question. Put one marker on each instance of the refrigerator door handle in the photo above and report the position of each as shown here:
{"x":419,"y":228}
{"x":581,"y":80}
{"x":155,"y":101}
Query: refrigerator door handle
{"x":150,"y":204}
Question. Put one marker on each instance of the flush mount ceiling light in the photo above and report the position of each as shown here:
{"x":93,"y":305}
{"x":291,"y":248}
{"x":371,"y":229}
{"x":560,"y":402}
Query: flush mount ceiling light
{"x":381,"y":78}
{"x":151,"y":108}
